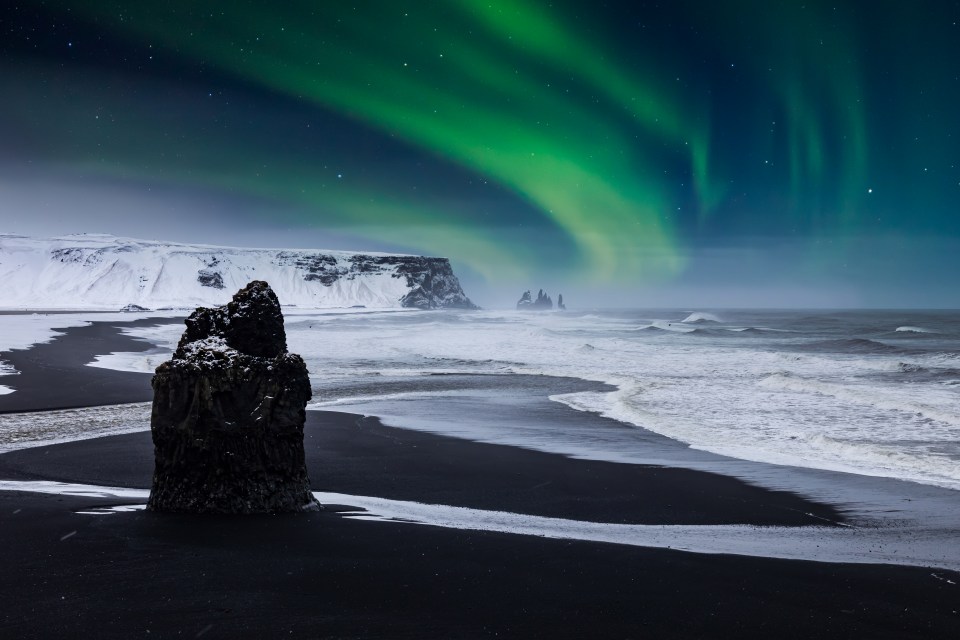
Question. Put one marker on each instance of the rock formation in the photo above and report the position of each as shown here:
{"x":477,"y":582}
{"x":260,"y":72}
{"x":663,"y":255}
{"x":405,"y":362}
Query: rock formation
{"x":228,"y":413}
{"x":526,"y":302}
{"x":560,"y":305}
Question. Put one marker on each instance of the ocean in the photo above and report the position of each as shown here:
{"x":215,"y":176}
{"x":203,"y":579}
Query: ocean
{"x":874,"y":393}
{"x":869,"y":392}
{"x":838,"y":407}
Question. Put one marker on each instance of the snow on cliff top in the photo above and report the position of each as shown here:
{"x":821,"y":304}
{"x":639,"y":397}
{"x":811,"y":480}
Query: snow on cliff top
{"x":97,"y":271}
{"x":106,"y":240}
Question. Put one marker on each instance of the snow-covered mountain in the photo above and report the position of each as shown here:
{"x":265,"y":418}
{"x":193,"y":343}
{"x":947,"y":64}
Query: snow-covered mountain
{"x":93,"y":271}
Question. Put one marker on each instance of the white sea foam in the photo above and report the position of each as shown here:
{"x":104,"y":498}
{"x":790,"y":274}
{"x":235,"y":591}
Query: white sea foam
{"x":51,"y":487}
{"x":22,"y":331}
{"x":4,"y":390}
{"x":880,"y":397}
{"x":914,"y":330}
{"x":904,"y":544}
{"x":754,"y":397}
{"x":385,"y":397}
{"x":40,"y":428}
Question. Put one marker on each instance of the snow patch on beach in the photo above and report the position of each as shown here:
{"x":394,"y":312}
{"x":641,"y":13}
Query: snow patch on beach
{"x":146,"y":362}
{"x":22,"y":331}
{"x":19,"y":331}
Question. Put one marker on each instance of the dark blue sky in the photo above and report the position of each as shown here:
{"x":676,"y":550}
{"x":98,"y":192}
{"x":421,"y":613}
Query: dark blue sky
{"x":678,"y":153}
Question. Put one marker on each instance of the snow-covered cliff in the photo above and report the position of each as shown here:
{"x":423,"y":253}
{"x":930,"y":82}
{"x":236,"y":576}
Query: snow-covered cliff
{"x":93,"y":271}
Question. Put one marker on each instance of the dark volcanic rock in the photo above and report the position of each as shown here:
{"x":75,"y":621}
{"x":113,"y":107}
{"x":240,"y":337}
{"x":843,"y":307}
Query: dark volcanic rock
{"x":228,"y":413}
{"x":212,"y":279}
{"x":526,"y":302}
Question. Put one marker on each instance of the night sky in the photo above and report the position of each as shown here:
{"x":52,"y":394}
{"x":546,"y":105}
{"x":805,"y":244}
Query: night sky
{"x":699,"y":153}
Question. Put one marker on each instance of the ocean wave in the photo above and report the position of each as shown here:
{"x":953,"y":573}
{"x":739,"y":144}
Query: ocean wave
{"x":914,"y":330}
{"x":778,"y":442}
{"x":701,"y":316}
{"x":887,"y":460}
{"x":757,"y":330}
{"x":318,"y":405}
{"x":658,"y":325}
{"x":921,"y":373}
{"x":709,"y":331}
{"x":860,"y":394}
{"x":466,"y":362}
{"x":700,"y":390}
{"x":855,"y":345}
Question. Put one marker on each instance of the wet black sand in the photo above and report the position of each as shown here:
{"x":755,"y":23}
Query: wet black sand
{"x":321,"y":575}
{"x":359,"y":456}
{"x":53,"y":375}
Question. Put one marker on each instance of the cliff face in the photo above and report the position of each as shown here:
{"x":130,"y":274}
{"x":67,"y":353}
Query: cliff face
{"x":105,"y":272}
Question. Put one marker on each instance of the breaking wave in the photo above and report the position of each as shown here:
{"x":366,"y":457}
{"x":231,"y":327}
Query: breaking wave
{"x":914,"y":330}
{"x":862,"y":395}
{"x":700,"y":316}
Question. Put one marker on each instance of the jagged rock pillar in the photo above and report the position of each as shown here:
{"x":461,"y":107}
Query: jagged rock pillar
{"x":228,"y":414}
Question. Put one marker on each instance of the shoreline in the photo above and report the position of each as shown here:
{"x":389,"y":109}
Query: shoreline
{"x":331,"y":575}
{"x":53,"y":375}
{"x":358,"y":455}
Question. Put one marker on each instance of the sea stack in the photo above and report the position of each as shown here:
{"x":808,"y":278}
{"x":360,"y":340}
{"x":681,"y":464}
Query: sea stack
{"x":527,"y":303}
{"x":228,"y":413}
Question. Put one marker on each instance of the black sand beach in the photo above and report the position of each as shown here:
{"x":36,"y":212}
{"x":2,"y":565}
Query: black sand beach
{"x":322,"y":575}
{"x":54,"y":376}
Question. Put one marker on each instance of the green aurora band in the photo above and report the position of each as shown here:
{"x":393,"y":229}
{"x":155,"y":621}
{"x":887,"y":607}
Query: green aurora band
{"x":482,"y":102}
{"x":629,"y":150}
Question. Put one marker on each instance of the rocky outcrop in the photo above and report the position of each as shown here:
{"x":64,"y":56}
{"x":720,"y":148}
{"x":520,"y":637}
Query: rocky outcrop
{"x":560,"y":305}
{"x":228,"y":413}
{"x":431,"y":282}
{"x":542,"y":303}
{"x":433,"y":285}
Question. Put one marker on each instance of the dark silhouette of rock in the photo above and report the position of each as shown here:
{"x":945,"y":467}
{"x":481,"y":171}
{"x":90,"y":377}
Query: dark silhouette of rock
{"x":560,"y":305}
{"x":526,"y":302}
{"x":212,"y":279}
{"x":228,"y":413}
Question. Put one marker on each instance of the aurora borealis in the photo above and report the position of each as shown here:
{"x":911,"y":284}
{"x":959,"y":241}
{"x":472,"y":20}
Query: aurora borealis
{"x":705,"y":147}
